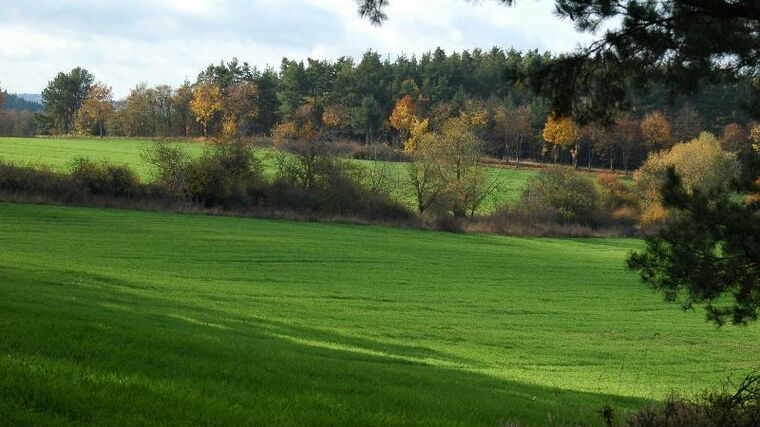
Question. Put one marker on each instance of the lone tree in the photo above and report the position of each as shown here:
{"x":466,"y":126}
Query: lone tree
{"x":676,"y":43}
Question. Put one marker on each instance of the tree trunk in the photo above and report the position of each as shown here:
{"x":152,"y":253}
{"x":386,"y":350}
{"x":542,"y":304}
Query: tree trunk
{"x":519,"y":148}
{"x":575,"y":155}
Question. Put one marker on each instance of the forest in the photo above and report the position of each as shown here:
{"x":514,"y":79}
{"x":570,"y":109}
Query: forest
{"x":364,"y":101}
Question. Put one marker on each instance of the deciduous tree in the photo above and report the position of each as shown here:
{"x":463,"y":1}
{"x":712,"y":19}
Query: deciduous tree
{"x":96,"y":109}
{"x":655,"y":128}
{"x":206,"y":102}
{"x":561,"y":132}
{"x":701,"y":164}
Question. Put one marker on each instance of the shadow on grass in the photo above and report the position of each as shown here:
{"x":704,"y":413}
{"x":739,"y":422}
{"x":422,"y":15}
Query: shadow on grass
{"x":88,"y":354}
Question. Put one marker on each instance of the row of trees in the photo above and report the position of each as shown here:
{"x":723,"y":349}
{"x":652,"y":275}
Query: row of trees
{"x":364,"y":100}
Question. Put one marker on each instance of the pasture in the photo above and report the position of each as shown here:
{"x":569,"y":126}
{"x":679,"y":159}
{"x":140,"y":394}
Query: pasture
{"x":120,"y":317}
{"x":58,"y":154}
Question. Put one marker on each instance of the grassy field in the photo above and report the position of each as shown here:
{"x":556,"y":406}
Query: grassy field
{"x":58,"y":153}
{"x":117,"y":317}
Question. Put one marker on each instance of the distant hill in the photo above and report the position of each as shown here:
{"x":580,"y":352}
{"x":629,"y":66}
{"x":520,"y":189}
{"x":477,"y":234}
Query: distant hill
{"x":31,"y":97}
{"x":24,"y":101}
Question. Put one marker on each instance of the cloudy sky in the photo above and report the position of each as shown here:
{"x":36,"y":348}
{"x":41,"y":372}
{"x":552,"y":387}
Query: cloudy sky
{"x":165,"y":41}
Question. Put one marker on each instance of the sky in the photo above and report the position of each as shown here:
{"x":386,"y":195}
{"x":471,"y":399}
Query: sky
{"x":166,"y":41}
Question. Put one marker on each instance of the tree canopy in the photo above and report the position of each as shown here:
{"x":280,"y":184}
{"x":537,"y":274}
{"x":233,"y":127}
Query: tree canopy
{"x":678,"y":43}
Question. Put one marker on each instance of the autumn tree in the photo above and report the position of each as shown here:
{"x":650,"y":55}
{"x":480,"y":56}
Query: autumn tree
{"x":404,"y":116}
{"x":304,"y":156}
{"x":240,"y":108}
{"x":336,"y":119}
{"x":561,"y":132}
{"x":701,"y":164}
{"x":206,"y":102}
{"x":735,"y":138}
{"x":656,"y":130}
{"x":446,"y":170}
{"x":755,"y":137}
{"x":96,"y":109}
{"x":460,"y":151}
{"x":423,"y":173}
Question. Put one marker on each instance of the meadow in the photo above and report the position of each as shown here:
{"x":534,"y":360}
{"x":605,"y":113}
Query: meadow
{"x":132,"y":318}
{"x":58,"y":154}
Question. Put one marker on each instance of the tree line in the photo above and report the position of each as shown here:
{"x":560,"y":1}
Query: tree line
{"x":362,"y":97}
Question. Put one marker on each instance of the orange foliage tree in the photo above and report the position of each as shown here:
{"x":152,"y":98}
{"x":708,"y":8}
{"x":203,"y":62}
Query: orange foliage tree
{"x":403,"y":116}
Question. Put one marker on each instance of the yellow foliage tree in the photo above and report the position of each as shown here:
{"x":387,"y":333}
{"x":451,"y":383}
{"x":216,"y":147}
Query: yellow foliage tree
{"x":403,"y":116}
{"x":206,"y":102}
{"x":701,"y":164}
{"x":561,"y":132}
{"x":755,"y":137}
{"x":477,"y":118}
{"x":656,"y":130}
{"x":229,"y":125}
{"x":418,"y":129}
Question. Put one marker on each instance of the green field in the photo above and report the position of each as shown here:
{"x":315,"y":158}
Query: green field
{"x":58,"y":153}
{"x":119,"y":317}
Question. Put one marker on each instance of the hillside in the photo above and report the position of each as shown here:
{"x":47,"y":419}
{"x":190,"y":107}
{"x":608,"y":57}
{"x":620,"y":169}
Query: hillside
{"x":22,"y":102}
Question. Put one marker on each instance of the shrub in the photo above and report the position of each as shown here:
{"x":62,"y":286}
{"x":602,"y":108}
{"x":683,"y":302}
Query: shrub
{"x":563,"y":195}
{"x":170,"y":163}
{"x":712,"y":409}
{"x":105,"y":179}
{"x":617,"y":199}
{"x":25,"y":179}
{"x":225,"y":175}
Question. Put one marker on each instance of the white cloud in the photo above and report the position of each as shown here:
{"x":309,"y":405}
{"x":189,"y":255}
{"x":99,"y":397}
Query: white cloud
{"x":127,"y":43}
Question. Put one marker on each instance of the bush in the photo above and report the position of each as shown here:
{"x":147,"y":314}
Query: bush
{"x":105,"y":179}
{"x":561,"y":194}
{"x":226,"y":175}
{"x":617,"y":199}
{"x":712,"y":409}
{"x":342,"y":189}
{"x":170,"y":163}
{"x":20,"y":179}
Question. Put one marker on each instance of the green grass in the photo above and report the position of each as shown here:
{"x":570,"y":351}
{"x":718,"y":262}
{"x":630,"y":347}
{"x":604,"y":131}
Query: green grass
{"x":58,"y":153}
{"x":116,"y":317}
